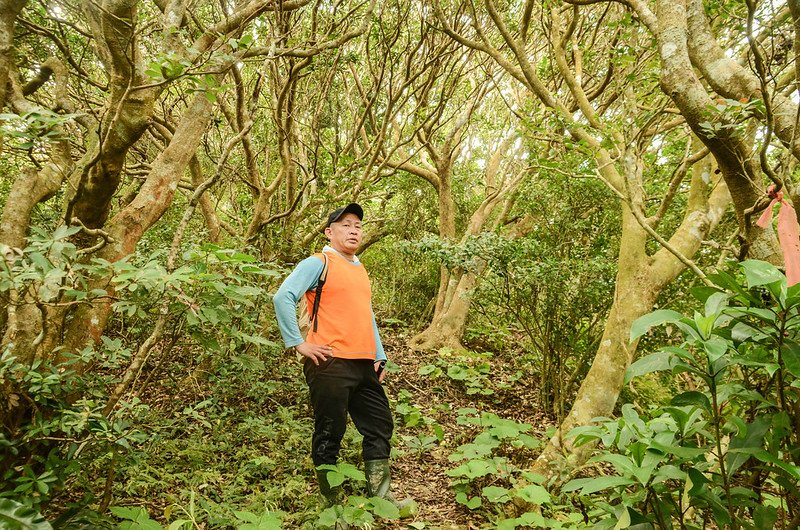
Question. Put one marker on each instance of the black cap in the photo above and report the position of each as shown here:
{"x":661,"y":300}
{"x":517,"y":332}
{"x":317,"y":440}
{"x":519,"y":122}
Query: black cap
{"x":339,"y":212}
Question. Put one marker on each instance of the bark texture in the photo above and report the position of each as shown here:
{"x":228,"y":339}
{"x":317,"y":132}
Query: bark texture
{"x":98,"y":175}
{"x":685,"y":41}
{"x":9,"y":10}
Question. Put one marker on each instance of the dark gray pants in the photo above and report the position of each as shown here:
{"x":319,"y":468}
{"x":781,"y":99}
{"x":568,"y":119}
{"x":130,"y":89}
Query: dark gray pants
{"x":342,"y":386}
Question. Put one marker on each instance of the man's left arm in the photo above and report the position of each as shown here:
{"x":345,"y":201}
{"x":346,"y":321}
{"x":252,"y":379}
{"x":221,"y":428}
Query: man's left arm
{"x":380,"y":354}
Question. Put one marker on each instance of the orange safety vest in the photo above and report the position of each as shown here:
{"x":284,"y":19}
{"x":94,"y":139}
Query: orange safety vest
{"x":344,"y":318}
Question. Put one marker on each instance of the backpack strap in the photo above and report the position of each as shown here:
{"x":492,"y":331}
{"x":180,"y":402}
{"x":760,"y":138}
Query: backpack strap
{"x":320,"y":283}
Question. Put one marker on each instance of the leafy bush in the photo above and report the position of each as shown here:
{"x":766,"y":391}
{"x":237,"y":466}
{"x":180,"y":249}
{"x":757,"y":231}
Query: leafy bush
{"x":404,"y":281}
{"x":493,"y":457}
{"x":60,"y":427}
{"x":726,"y":450}
{"x":468,"y":368}
{"x":137,"y":518}
{"x":17,"y":516}
{"x":556,"y":297}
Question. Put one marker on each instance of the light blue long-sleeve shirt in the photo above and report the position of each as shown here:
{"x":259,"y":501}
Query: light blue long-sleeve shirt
{"x":304,"y":278}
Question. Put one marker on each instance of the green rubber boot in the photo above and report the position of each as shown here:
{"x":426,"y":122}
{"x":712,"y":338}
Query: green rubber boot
{"x":379,"y":481}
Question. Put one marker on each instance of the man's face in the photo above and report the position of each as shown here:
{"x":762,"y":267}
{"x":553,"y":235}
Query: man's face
{"x":345,"y":234}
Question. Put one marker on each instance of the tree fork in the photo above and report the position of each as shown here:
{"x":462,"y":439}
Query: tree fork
{"x":128,"y":226}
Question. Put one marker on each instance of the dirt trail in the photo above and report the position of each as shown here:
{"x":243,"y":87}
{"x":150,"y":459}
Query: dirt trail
{"x":423,"y":476}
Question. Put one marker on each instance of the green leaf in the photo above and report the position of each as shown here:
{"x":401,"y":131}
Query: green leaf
{"x":742,"y":332}
{"x":249,"y":362}
{"x":697,"y":480}
{"x":474,"y":469}
{"x":715,"y":348}
{"x":721,"y":515}
{"x":643,"y":324}
{"x":716,"y":303}
{"x":496,"y":494}
{"x":126,"y":513}
{"x":17,"y":516}
{"x":760,"y":273}
{"x":427,"y":369}
{"x":692,"y":398}
{"x":769,"y":458}
{"x":63,"y":232}
{"x":470,"y":502}
{"x":526,"y":440}
{"x":655,"y":362}
{"x":502,"y":428}
{"x":593,"y":485}
{"x":703,"y":292}
{"x":669,"y":472}
{"x":136,"y":519}
{"x":765,"y":516}
{"x":767,"y":315}
{"x":584,"y":434}
{"x":736,"y":426}
{"x":335,"y":478}
{"x":337,"y":473}
{"x":534,"y":494}
{"x":679,"y":352}
{"x":438,"y":430}
{"x":741,"y":448}
{"x":623,"y":464}
{"x":329,"y":516}
{"x":351,"y":471}
{"x":458,"y":372}
{"x":384,"y":509}
{"x":680,"y":451}
{"x":790,"y":354}
{"x":704,"y":324}
{"x":624,"y":520}
{"x":247,"y":517}
{"x":526,"y":520}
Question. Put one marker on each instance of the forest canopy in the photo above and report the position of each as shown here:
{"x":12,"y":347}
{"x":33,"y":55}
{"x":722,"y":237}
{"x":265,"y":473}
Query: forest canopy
{"x":591,"y":319}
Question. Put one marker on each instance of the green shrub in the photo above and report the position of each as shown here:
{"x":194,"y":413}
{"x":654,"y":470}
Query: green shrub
{"x":59,"y":429}
{"x":726,"y":451}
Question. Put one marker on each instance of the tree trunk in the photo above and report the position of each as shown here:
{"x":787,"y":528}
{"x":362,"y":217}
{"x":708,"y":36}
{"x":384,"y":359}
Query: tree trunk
{"x":455,"y":290}
{"x":206,"y":202}
{"x":640,"y":280}
{"x":730,"y":79}
{"x":731,"y":148}
{"x":448,"y":324}
{"x":635,"y":293}
{"x":24,"y":321}
{"x":431,"y":337}
{"x":447,"y":232}
{"x":9,"y":10}
{"x":98,"y":175}
{"x":128,"y":226}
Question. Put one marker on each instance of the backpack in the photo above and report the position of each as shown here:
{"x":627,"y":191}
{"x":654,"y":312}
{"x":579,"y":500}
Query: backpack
{"x":305,"y":321}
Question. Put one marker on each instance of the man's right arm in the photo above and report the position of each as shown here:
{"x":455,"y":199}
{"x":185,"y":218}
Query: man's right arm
{"x":303,"y":278}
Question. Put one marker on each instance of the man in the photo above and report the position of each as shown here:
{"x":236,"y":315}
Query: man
{"x":343,"y":357}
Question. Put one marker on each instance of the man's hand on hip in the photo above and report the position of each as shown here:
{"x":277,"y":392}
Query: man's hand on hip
{"x":314,"y":352}
{"x":379,"y":369}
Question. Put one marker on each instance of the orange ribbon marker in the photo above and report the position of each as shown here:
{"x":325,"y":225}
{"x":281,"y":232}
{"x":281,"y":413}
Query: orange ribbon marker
{"x":788,"y":234}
